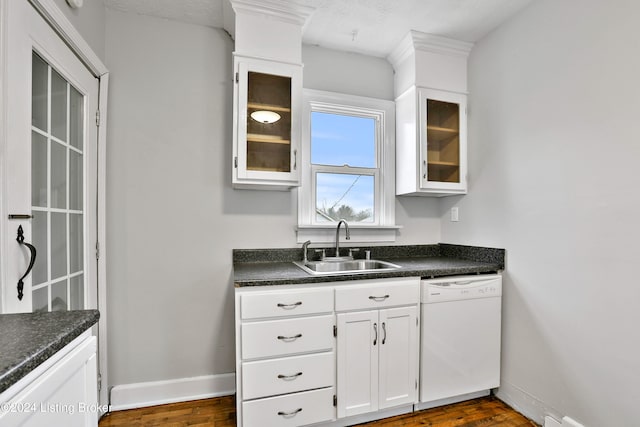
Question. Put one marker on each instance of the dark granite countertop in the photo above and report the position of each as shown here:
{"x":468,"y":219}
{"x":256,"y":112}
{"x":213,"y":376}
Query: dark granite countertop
{"x":263,"y":267}
{"x":28,"y":339}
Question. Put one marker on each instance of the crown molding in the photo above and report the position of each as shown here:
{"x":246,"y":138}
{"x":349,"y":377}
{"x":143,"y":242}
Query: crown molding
{"x":416,"y":41}
{"x":282,"y":10}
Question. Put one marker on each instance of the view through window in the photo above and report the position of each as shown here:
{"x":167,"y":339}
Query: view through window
{"x":344,"y":166}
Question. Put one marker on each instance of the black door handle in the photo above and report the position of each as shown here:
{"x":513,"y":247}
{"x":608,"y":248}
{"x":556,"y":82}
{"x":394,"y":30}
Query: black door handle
{"x":32,"y":249}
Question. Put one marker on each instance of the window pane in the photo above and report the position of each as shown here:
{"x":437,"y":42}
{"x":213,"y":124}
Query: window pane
{"x":58,"y":106}
{"x":39,"y":90}
{"x":40,"y":301}
{"x":58,"y":245}
{"x":59,"y":296}
{"x":76,"y":118}
{"x":75,"y":181}
{"x":38,"y":170}
{"x":58,"y":176}
{"x":39,"y":229}
{"x":344,"y":196}
{"x":339,"y":140}
{"x":76,"y":258}
{"x":76,"y":290}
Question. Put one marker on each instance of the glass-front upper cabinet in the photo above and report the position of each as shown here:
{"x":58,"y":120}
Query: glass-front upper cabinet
{"x":443,"y":141}
{"x":267,"y":107}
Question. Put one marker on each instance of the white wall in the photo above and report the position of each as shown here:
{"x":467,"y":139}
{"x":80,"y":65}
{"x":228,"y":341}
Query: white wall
{"x":173,"y":218}
{"x":554,"y":152}
{"x":89,"y":20}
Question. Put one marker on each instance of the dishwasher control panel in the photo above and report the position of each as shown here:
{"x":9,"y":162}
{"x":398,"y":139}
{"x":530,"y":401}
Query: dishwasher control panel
{"x":460,"y":288}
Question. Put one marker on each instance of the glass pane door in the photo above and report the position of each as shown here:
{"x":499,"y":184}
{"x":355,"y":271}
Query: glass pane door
{"x":57,"y":189}
{"x":268,"y":123}
{"x":443,"y":141}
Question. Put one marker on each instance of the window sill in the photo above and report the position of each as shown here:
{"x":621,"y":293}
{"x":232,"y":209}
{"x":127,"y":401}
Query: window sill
{"x":359,"y":233}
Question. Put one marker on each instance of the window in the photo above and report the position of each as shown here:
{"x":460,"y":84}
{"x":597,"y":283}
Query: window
{"x":348,"y":167}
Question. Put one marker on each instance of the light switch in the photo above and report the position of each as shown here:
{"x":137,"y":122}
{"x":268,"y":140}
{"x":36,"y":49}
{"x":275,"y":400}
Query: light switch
{"x":454,"y":214}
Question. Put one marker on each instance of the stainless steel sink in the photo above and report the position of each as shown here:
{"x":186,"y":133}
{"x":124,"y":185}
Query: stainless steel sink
{"x":345,"y":267}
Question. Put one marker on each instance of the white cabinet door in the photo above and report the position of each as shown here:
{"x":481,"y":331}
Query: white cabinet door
{"x":357,"y":363}
{"x":63,"y":395}
{"x":443,"y":141}
{"x":398,"y":361}
{"x":266,"y":149}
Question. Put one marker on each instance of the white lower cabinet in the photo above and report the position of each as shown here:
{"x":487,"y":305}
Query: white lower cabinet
{"x":311,"y":354}
{"x":62,"y":391}
{"x":377,"y":356}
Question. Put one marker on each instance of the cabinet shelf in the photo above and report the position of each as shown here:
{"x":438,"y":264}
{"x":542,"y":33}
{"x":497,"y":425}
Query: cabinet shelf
{"x":269,"y":107}
{"x":444,"y":164}
{"x":269,"y":139}
{"x":441,"y":134}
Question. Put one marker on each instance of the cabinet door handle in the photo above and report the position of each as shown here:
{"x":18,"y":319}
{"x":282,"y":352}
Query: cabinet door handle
{"x":382,"y":298}
{"x":289,"y":377}
{"x":384,"y":331}
{"x":289,"y":414}
{"x":292,"y":338}
{"x":295,"y":159}
{"x":375,"y":329}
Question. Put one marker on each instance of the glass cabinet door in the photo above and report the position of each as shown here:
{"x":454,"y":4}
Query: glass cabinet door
{"x":267,"y":115}
{"x":268,"y":122}
{"x":443,"y":134}
{"x":443,"y":141}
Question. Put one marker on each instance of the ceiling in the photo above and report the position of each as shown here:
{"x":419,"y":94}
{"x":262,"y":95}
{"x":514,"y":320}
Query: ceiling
{"x":371,"y":27}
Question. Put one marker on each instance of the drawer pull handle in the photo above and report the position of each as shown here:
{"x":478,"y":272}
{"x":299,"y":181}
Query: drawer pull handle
{"x":289,"y":377}
{"x":289,"y":306}
{"x":289,"y":414}
{"x":375,"y":329}
{"x":295,"y":337}
{"x":382,"y":298}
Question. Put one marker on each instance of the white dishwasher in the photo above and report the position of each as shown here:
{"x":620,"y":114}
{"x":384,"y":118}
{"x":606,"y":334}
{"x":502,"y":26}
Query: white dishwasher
{"x":460,"y":338}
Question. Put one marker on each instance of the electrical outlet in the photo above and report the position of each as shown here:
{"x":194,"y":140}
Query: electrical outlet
{"x":454,"y":214}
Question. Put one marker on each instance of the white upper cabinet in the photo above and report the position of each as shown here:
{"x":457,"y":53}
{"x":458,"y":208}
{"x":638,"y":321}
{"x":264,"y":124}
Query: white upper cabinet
{"x":431,"y":115}
{"x":268,"y":99}
{"x":267,"y":95}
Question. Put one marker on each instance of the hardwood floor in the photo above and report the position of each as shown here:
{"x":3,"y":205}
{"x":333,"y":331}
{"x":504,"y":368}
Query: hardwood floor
{"x":221,"y":412}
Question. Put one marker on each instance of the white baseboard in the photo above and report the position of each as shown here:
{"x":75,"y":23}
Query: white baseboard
{"x":528,"y":405}
{"x":140,"y":395}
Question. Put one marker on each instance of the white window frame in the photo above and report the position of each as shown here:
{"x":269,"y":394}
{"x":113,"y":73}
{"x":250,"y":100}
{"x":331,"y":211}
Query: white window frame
{"x":383,"y":227}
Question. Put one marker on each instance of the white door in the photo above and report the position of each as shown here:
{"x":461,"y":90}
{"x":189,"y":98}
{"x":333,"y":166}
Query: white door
{"x":357,"y":362}
{"x":398,"y":369}
{"x":50,"y":169}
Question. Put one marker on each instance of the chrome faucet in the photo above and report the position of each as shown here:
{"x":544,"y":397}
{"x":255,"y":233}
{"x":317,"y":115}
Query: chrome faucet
{"x":305,"y":245}
{"x":347,"y":235}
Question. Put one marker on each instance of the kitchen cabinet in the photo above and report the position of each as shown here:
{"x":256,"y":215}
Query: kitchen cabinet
{"x":266,"y":124}
{"x":308,"y":354}
{"x":377,"y":348}
{"x":62,"y":391}
{"x":285,"y":359}
{"x":432,"y":143}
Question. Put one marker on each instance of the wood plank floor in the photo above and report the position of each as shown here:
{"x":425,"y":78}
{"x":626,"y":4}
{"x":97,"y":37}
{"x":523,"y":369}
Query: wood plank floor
{"x":221,"y":412}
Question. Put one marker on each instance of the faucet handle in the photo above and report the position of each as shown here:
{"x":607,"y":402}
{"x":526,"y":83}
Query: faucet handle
{"x":352,"y":250}
{"x":367,"y":254}
{"x":323,"y":253}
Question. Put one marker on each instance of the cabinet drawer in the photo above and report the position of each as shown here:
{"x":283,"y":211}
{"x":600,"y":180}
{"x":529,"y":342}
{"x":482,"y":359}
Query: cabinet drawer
{"x":292,"y":410}
{"x":295,"y":302}
{"x":287,"y":375}
{"x":287,"y":336}
{"x":385,"y":293}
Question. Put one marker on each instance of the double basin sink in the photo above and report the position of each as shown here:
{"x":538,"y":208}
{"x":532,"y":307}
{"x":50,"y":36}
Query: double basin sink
{"x":345,"y":266}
